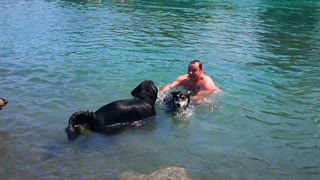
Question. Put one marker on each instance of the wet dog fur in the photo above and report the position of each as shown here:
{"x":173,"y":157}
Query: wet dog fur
{"x":116,"y":114}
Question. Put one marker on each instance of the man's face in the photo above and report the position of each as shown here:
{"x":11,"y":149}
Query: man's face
{"x":194,"y":72}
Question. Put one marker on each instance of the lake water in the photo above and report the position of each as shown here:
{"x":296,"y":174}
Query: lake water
{"x":62,"y":56}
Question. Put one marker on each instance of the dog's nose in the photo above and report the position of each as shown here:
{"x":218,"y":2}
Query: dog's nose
{"x":178,"y":105}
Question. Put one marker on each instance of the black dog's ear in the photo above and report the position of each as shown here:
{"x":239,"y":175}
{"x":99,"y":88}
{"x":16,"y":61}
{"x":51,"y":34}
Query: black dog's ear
{"x":144,"y":87}
{"x":137,"y":90}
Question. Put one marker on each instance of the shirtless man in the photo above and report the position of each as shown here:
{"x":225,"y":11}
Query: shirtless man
{"x":200,"y":84}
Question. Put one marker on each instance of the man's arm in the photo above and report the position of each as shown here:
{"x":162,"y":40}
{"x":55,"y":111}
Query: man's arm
{"x":168,"y":87}
{"x":172,"y":85}
{"x":201,"y":94}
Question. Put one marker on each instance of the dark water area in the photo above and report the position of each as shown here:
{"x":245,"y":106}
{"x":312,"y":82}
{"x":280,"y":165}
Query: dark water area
{"x":62,"y":56}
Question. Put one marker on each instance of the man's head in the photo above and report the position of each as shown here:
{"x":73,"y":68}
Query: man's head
{"x":195,"y":70}
{"x":196,"y":62}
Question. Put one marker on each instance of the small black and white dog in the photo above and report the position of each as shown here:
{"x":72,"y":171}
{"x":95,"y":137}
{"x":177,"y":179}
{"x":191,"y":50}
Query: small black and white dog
{"x":116,"y":114}
{"x":180,"y":100}
{"x":3,"y":102}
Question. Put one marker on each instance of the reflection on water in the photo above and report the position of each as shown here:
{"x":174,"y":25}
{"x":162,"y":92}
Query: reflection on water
{"x":58,"y":57}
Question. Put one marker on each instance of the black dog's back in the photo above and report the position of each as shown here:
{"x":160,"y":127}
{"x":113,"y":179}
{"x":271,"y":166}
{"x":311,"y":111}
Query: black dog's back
{"x":123,"y":111}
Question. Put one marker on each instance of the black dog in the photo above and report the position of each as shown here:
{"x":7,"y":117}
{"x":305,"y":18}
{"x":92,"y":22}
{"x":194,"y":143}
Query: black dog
{"x":179,"y":101}
{"x":3,"y":102}
{"x":117,"y":113}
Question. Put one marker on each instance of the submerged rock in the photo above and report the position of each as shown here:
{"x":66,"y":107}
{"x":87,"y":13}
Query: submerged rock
{"x":176,"y":173}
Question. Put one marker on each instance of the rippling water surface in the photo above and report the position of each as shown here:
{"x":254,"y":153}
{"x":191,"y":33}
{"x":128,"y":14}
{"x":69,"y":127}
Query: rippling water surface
{"x":62,"y":56}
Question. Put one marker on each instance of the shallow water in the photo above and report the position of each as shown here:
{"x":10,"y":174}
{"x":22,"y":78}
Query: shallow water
{"x":62,"y":56}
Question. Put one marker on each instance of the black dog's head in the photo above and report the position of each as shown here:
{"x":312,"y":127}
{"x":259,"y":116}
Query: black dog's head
{"x":181,"y":99}
{"x":147,"y":91}
{"x":3,"y":102}
{"x":78,"y":122}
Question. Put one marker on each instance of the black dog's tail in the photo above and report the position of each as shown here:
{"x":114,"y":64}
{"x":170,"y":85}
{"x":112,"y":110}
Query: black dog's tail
{"x":77,"y":121}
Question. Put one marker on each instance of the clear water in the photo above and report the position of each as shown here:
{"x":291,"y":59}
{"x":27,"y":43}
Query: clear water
{"x":62,"y":56}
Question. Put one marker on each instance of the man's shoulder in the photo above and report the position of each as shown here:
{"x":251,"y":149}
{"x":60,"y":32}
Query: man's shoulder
{"x":207,"y":78}
{"x":209,"y":83}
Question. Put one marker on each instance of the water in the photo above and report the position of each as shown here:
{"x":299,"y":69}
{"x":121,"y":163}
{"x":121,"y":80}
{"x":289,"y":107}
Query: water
{"x":62,"y":56}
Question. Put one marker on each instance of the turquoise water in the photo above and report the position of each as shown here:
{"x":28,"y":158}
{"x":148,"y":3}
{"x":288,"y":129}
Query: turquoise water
{"x":62,"y":56}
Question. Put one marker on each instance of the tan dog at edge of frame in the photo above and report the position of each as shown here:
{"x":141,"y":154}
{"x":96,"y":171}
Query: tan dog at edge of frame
{"x":3,"y":102}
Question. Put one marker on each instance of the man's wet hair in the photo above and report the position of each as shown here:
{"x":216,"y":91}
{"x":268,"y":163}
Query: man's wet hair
{"x":197,"y":61}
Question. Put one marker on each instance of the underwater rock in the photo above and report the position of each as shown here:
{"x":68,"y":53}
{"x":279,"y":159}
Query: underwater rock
{"x":173,"y":172}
